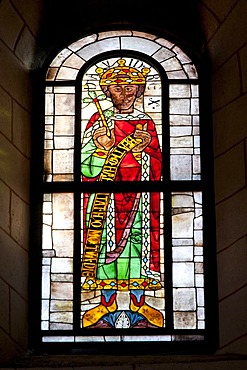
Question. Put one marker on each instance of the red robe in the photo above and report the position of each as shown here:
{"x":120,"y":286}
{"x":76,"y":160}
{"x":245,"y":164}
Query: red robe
{"x":130,"y":169}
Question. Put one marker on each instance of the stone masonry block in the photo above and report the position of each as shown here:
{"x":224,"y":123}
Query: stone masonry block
{"x":232,"y":312}
{"x":231,"y":36}
{"x":226,"y":84}
{"x":229,"y":172}
{"x":5,"y":207}
{"x":25,"y":48}
{"x":20,"y":221}
{"x":209,"y":22}
{"x":18,"y":319}
{"x":13,"y":264}
{"x":8,"y":348}
{"x":238,"y":346}
{"x":14,"y":78}
{"x":5,"y":114}
{"x":14,"y":169}
{"x":231,"y":219}
{"x":10,"y":24}
{"x":243,"y":64}
{"x":230,"y":125}
{"x":232,"y":272}
{"x":22,"y":129}
{"x":31,"y":11}
{"x":220,"y":8}
{"x":4,"y":306}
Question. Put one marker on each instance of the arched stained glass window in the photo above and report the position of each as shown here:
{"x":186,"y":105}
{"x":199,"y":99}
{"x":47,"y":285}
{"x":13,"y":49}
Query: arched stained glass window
{"x":122,"y":235}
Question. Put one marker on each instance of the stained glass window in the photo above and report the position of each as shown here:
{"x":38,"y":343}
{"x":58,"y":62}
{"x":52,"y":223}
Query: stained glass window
{"x":122,"y":237}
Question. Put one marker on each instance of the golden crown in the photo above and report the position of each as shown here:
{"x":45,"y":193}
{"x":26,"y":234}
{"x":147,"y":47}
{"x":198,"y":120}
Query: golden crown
{"x":122,"y":75}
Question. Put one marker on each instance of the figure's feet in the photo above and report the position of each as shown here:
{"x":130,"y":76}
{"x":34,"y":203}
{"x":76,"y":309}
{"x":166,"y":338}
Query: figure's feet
{"x":154,"y":316}
{"x":92,"y":316}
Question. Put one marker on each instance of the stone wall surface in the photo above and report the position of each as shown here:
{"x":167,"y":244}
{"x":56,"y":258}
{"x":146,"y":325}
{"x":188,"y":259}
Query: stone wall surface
{"x":226,"y":36}
{"x":19,"y":22}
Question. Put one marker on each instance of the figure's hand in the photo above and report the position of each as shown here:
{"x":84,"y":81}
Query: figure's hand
{"x":145,"y":136}
{"x":101,"y":140}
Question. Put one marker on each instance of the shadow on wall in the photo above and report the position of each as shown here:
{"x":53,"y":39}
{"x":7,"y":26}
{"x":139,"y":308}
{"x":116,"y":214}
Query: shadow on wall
{"x":178,"y":20}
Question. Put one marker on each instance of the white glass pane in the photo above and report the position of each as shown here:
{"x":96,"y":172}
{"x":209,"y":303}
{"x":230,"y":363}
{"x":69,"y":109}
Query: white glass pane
{"x":176,"y":74}
{"x":171,"y":65}
{"x":63,"y":161}
{"x":181,"y":131}
{"x":64,"y":125}
{"x":44,"y":325}
{"x":200,"y":296}
{"x":181,"y":167}
{"x":142,"y":45}
{"x":57,"y":278}
{"x":49,"y":104}
{"x":63,"y":242}
{"x":74,"y":61}
{"x":163,"y":54}
{"x":82,"y":42}
{"x":190,"y":69}
{"x":195,"y":91}
{"x":182,"y":254}
{"x":188,"y":267}
{"x":60,"y":305}
{"x":184,"y":299}
{"x":60,"y":58}
{"x":179,"y":106}
{"x":66,"y":73}
{"x":61,"y":290}
{"x":179,"y":91}
{"x":101,"y":46}
{"x":165,"y":43}
{"x":47,"y":236}
{"x":64,"y":104}
{"x":181,"y":55}
{"x":180,"y":120}
{"x":62,"y":317}
{"x":194,"y":106}
{"x":64,"y":265}
{"x":183,"y":274}
{"x":63,"y":142}
{"x":63,"y":211}
{"x":107,"y":34}
{"x":185,"y":320}
{"x":58,"y":339}
{"x":181,"y":142}
{"x":201,"y":324}
{"x":46,"y":282}
{"x":159,"y":338}
{"x":144,"y":35}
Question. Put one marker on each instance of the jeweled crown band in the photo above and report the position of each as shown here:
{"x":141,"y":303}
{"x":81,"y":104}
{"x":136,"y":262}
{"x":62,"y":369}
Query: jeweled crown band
{"x":122,"y":75}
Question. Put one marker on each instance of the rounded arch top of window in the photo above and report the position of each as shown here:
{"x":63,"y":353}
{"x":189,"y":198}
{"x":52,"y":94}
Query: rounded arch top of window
{"x":67,"y":64}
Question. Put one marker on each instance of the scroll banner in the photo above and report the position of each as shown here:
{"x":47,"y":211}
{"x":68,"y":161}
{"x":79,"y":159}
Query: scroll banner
{"x":100,"y":205}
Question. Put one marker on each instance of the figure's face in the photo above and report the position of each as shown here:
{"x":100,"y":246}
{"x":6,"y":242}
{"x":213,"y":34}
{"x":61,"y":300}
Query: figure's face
{"x":123,"y":96}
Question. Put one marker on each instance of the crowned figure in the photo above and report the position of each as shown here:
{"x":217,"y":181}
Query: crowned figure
{"x":120,"y":144}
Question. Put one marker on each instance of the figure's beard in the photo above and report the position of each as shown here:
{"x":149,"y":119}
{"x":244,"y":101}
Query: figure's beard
{"x":124,"y":105}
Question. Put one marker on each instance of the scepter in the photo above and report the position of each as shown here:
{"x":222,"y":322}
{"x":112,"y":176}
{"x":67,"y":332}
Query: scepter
{"x":93,"y":98}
